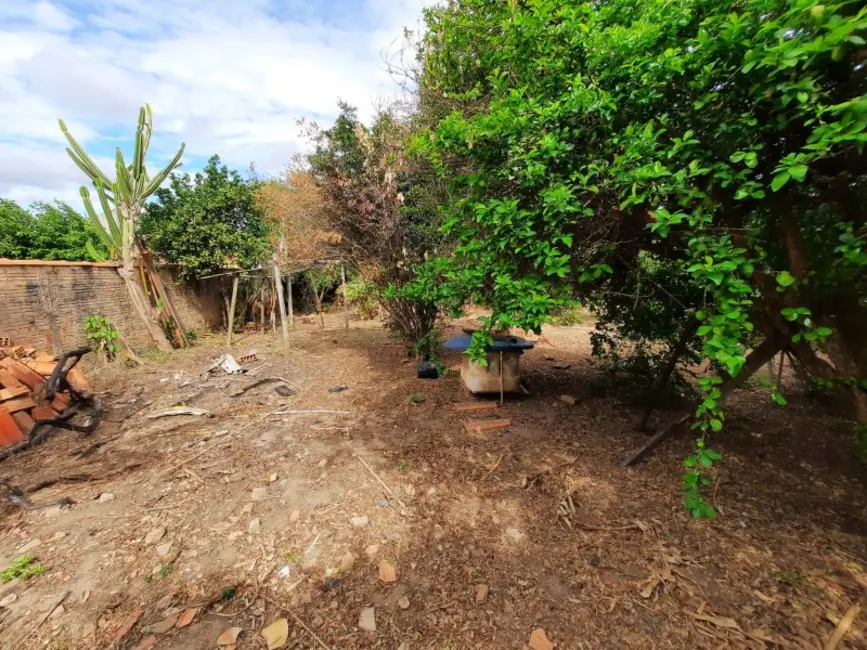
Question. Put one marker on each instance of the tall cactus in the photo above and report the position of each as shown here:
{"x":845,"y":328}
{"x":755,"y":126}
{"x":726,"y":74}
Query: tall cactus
{"x":122,"y":201}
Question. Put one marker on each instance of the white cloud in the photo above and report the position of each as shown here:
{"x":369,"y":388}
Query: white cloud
{"x":225,"y":77}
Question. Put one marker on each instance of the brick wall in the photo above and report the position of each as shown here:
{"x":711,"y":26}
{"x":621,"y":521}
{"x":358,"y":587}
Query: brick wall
{"x":45,"y":303}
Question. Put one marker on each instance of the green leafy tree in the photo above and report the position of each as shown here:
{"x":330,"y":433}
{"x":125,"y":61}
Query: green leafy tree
{"x":721,"y":142}
{"x":46,"y":232}
{"x":207,"y":221}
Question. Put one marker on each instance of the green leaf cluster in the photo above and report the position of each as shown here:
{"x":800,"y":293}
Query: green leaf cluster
{"x":46,"y":232}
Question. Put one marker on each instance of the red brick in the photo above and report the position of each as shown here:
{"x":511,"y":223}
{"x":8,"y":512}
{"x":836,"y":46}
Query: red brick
{"x":9,"y":431}
{"x":486,"y":425}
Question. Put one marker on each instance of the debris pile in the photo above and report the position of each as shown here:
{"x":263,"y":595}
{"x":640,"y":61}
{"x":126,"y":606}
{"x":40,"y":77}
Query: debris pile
{"x":38,"y":389}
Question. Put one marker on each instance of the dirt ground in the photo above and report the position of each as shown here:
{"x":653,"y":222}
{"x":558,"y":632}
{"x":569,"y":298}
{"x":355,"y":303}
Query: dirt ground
{"x":250,"y":516}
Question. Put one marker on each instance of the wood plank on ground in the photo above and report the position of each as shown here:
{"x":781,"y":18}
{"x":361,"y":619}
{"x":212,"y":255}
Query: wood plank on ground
{"x":472,"y":407}
{"x":19,"y":404}
{"x":486,"y":425}
{"x":9,"y":431}
{"x":43,"y":413}
{"x":9,"y":393}
{"x":8,"y":380}
{"x":24,"y":421}
{"x":23,"y":373}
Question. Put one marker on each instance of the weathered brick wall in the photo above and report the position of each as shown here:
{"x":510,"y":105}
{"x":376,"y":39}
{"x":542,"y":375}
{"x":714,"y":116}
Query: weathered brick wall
{"x":45,"y":303}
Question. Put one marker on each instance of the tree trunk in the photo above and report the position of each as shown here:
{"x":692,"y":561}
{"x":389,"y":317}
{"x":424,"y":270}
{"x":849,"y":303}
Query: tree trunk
{"x":291,"y":311}
{"x":143,"y":307}
{"x":345,"y":303}
{"x":230,"y":330}
{"x":689,"y":330}
{"x":278,"y":283}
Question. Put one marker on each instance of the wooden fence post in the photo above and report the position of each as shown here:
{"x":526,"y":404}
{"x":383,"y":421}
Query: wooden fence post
{"x":278,"y":282}
{"x":345,"y":303}
{"x":231,"y":324}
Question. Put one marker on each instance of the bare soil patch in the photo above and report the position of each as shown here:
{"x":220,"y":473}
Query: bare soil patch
{"x":249,"y":516}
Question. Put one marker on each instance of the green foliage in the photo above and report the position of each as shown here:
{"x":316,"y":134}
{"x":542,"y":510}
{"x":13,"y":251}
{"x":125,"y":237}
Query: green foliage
{"x":207,"y":222}
{"x":364,"y":296}
{"x":566,"y":316}
{"x":402,"y":466}
{"x":595,"y":147}
{"x":46,"y":232}
{"x":416,"y":398}
{"x":191,"y":335}
{"x":227,"y":593}
{"x":165,"y":570}
{"x":103,"y":334}
{"x":22,"y":567}
{"x":122,"y":200}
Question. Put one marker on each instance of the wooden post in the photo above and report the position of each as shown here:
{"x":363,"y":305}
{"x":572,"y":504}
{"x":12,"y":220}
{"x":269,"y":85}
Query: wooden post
{"x":291,"y":313}
{"x":501,"y":378}
{"x":278,"y":282}
{"x":231,"y":324}
{"x":345,"y":303}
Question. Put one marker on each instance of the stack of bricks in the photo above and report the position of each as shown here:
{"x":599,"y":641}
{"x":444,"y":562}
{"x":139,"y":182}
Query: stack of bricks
{"x":24,"y":374}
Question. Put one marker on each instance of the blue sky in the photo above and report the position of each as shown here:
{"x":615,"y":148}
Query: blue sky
{"x":223,"y":76}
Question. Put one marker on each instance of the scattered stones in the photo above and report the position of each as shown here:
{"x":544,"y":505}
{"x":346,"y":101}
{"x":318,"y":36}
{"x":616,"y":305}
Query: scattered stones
{"x":187,"y":617}
{"x":164,"y":625}
{"x":229,"y":636}
{"x":295,"y":516}
{"x":105,"y":497}
{"x":259,"y":494}
{"x":387,"y":572}
{"x":367,"y":619}
{"x":147,"y":642}
{"x":359,"y":522}
{"x":155,"y":535}
{"x":255,"y":527}
{"x":347,"y":562}
{"x":403,"y":603}
{"x":276,"y":634}
{"x":166,"y":601}
{"x":539,"y":641}
{"x":164,"y":549}
{"x":29,"y":546}
{"x":568,"y":399}
{"x":482,"y":593}
{"x":372,"y":550}
{"x":8,"y":600}
{"x":515,"y":534}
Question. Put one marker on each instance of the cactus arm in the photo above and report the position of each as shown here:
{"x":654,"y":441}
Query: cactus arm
{"x":94,"y":219}
{"x":81,"y":158}
{"x":159,"y":178}
{"x":113,"y":227}
{"x":122,"y":188}
{"x":139,"y":153}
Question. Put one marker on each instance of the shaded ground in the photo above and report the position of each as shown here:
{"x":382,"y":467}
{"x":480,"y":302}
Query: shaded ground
{"x":624,"y":568}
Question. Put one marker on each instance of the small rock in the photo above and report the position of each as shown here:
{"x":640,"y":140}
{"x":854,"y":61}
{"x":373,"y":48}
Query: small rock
{"x":164,"y":549}
{"x":410,"y":490}
{"x":166,"y":601}
{"x":283,"y":391}
{"x":259,"y":494}
{"x":85,"y":596}
{"x":322,"y":463}
{"x":431,"y":491}
{"x":105,"y":497}
{"x":308,"y":564}
{"x":229,"y":636}
{"x":164,"y":625}
{"x":189,"y":554}
{"x":58,"y":611}
{"x":272,"y":478}
{"x":284,"y":571}
{"x":338,"y":389}
{"x":568,"y":399}
{"x":247,"y":509}
{"x":294,"y":516}
{"x":276,"y":634}
{"x":383,"y":503}
{"x":235,"y":534}
{"x":482,"y":593}
{"x":403,"y":646}
{"x":387,"y":572}
{"x":221,"y":527}
{"x":318,"y":621}
{"x":29,"y":546}
{"x":187,"y":617}
{"x":372,"y":550}
{"x":8,"y":600}
{"x":539,"y":641}
{"x":347,"y":562}
{"x":562,"y":365}
{"x":155,"y":535}
{"x":403,"y":603}
{"x":359,"y":522}
{"x":515,"y":534}
{"x":367,"y":619}
{"x":255,"y":527}
{"x":58,"y":535}
{"x":147,"y":642}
